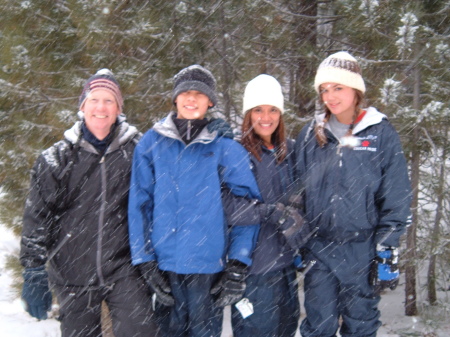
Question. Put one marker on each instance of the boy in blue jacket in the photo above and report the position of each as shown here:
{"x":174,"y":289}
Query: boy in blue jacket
{"x":191,"y":260}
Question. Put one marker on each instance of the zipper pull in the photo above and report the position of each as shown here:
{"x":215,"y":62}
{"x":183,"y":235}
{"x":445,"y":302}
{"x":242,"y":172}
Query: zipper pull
{"x":102,"y":160}
{"x":188,"y":136}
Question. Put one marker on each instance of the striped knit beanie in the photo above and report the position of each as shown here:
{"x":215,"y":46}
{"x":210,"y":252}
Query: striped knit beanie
{"x":103,"y":79}
{"x":341,"y":68}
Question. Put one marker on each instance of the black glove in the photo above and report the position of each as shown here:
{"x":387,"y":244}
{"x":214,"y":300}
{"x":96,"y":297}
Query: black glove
{"x":283,"y":217}
{"x":158,"y":282}
{"x":288,"y":221}
{"x":231,"y":286}
{"x":222,"y":127}
{"x":384,"y":271}
{"x":35,"y":292}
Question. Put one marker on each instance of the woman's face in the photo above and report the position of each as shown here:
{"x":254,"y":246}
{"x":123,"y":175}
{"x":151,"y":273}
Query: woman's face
{"x":265,"y":120}
{"x":340,"y":100}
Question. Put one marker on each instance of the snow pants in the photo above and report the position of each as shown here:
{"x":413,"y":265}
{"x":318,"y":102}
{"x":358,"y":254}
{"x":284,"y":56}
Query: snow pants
{"x":193,"y":314}
{"x":337,"y":286}
{"x":276,"y":306}
{"x":129,"y":303}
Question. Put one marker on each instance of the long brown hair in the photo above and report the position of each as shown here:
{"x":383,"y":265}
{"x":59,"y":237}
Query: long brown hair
{"x":319,"y":129}
{"x":253,"y":142}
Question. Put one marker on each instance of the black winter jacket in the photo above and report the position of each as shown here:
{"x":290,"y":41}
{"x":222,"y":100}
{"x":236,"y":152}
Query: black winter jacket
{"x":76,"y":213}
{"x":356,"y":193}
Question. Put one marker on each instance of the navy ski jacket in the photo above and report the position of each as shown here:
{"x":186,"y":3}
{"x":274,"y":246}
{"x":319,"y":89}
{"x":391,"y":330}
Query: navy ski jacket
{"x":355,"y":193}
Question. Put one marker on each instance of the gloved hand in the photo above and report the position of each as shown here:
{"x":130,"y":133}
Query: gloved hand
{"x":35,"y":292}
{"x":222,"y":127}
{"x":288,"y":221}
{"x":283,"y":217}
{"x":157,"y":282}
{"x":231,"y":286}
{"x":385,"y":273}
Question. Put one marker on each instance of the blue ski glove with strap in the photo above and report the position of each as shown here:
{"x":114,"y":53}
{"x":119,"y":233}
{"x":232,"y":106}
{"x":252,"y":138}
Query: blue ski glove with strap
{"x":222,"y":127}
{"x":158,"y":282}
{"x":36,"y":293}
{"x":385,"y":273}
{"x":231,"y":286}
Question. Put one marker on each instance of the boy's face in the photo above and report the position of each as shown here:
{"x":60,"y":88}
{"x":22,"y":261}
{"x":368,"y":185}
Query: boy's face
{"x":192,"y":104}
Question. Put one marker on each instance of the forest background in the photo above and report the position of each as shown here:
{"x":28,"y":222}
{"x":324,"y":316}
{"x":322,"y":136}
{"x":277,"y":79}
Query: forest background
{"x":49,"y":48}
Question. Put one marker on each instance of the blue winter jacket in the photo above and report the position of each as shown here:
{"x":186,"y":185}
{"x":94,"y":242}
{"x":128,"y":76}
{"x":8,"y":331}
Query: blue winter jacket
{"x":175,"y":209}
{"x":355,"y":193}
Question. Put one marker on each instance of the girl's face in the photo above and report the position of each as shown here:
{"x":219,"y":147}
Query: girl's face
{"x":340,"y":100}
{"x":265,"y":120}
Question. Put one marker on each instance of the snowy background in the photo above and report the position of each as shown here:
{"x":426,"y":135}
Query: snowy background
{"x":15,"y":322}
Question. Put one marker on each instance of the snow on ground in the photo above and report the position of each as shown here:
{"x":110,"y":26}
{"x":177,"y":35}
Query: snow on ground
{"x":15,"y":322}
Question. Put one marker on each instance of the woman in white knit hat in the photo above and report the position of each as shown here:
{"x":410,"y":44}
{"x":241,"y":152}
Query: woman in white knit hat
{"x":357,"y":193}
{"x":270,"y":298}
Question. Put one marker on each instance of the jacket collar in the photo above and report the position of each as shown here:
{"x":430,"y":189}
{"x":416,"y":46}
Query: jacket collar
{"x":372,"y":117}
{"x":124,"y":133}
{"x":166,"y":127}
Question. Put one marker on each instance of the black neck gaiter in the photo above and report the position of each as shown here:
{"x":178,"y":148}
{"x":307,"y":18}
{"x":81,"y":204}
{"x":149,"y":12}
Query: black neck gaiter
{"x":189,"y":129}
{"x":100,"y":145}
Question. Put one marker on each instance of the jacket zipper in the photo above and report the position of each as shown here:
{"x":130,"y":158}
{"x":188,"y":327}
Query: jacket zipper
{"x":188,"y":136}
{"x":100,"y":221}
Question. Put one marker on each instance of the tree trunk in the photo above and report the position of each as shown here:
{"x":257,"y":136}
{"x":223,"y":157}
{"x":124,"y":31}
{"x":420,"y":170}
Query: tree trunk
{"x":226,"y":71}
{"x":432,"y":296}
{"x":410,"y":256}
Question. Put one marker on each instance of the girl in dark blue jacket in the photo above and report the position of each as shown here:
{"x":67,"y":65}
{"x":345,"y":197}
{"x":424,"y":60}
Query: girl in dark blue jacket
{"x":356,"y":192}
{"x":270,"y":307}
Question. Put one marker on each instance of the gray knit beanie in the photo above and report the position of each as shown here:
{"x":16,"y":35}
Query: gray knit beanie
{"x":195,"y":77}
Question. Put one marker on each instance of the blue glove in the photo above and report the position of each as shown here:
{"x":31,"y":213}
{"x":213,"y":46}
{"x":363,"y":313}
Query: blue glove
{"x":222,"y":127}
{"x":386,"y":269}
{"x":35,"y":292}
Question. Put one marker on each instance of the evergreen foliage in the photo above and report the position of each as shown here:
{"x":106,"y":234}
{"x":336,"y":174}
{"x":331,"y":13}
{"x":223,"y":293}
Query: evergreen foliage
{"x":49,"y":48}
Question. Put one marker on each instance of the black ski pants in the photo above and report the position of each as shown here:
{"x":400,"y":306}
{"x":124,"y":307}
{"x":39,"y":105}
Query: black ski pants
{"x":129,"y":303}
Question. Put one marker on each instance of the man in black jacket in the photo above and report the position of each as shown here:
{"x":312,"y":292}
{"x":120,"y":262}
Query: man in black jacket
{"x":75,"y":223}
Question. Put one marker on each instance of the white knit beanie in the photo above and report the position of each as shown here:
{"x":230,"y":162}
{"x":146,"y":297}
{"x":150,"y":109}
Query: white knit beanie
{"x":341,"y":68}
{"x":263,"y":90}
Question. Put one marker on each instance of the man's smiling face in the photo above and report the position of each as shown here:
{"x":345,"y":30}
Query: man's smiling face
{"x":100,"y":112}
